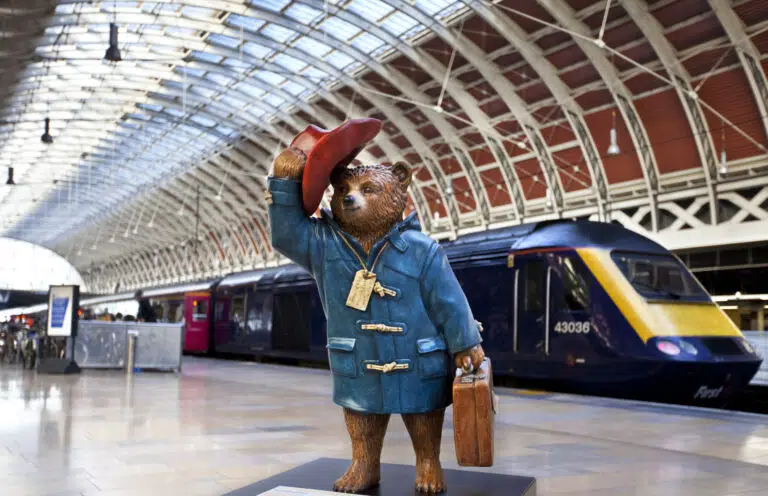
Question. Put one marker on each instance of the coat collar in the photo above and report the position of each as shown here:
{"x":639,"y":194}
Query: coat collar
{"x":394,"y":236}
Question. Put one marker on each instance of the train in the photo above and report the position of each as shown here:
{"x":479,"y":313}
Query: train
{"x":583,"y":306}
{"x":588,"y":307}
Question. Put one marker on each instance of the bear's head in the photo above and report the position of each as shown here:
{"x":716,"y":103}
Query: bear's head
{"x":369,"y":200}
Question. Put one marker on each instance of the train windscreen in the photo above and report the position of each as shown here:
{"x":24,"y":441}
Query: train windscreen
{"x":659,"y":277}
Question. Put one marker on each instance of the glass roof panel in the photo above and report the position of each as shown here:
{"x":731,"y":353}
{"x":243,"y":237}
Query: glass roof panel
{"x":250,"y":90}
{"x":219,"y":78}
{"x":255,"y":50}
{"x":247,"y":23}
{"x":373,"y":10}
{"x":220,"y":39}
{"x":205,"y":57}
{"x":432,"y":7}
{"x":189,"y":71}
{"x":339,"y":60}
{"x":337,"y":28}
{"x":304,"y":13}
{"x":275,"y":5}
{"x":278,"y":33}
{"x":269,"y":77}
{"x":237,"y":65}
{"x":203,"y":121}
{"x":289,"y":62}
{"x":294,"y":88}
{"x":399,"y":23}
{"x":150,"y":106}
{"x":311,"y":46}
{"x":367,"y":43}
{"x":206,"y":92}
{"x":198,"y":12}
{"x":274,"y":100}
{"x":180,"y":32}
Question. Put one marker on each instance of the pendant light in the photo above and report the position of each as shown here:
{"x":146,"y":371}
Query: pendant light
{"x":46,"y":137}
{"x":10,"y":181}
{"x":113,"y":52}
{"x":613,"y":148}
{"x":723,"y":157}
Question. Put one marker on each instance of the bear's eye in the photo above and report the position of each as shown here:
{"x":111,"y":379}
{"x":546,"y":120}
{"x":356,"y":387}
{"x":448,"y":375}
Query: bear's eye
{"x":369,"y":190}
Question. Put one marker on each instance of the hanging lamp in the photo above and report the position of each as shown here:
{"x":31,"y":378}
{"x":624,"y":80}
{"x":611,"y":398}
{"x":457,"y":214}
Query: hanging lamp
{"x":723,"y":156}
{"x":113,"y":52}
{"x":613,"y":148}
{"x":46,"y":137}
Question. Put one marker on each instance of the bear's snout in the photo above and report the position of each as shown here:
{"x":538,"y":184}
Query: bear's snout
{"x":348,"y":201}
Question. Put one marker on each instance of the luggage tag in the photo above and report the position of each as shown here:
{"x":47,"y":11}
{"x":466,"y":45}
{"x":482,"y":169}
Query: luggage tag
{"x":361,"y":290}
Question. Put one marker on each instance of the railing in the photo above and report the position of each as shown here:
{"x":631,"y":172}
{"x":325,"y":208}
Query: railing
{"x":105,"y":345}
{"x":759,"y":341}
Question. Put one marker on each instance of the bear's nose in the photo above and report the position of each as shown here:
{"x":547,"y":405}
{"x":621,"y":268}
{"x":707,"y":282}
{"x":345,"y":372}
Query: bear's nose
{"x":348,"y":200}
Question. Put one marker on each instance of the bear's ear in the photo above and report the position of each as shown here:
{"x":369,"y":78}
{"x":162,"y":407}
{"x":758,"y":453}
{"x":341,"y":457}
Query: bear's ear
{"x":403,"y":174}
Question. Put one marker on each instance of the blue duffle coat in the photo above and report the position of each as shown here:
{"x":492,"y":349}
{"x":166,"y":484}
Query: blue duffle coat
{"x":411,"y":334}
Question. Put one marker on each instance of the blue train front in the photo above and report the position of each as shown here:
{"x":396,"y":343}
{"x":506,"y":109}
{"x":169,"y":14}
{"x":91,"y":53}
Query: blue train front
{"x":602,"y":310}
{"x":590,"y":306}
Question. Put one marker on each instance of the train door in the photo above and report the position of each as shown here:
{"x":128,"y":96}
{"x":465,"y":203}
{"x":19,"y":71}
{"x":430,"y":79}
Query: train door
{"x":569,"y":322}
{"x":291,"y":321}
{"x":220,"y":320}
{"x":197,"y":321}
{"x":531,"y":305}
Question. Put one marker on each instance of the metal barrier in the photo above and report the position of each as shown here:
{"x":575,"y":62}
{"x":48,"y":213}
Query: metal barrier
{"x":759,"y":341}
{"x":107,"y":345}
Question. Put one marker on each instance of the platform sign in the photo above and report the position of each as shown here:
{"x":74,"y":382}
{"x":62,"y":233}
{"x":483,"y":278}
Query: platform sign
{"x":63,"y":302}
{"x":296,"y":491}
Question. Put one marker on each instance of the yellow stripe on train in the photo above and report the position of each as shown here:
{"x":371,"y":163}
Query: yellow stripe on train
{"x":650,"y":319}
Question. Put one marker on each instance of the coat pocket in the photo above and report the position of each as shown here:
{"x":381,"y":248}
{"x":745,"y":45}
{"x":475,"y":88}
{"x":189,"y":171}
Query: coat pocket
{"x":433,"y":357}
{"x":341,"y":356}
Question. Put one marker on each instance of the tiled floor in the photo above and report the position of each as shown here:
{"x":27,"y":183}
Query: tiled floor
{"x":224,"y":425}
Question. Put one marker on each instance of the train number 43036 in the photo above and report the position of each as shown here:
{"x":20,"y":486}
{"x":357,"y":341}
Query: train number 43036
{"x":572,"y":327}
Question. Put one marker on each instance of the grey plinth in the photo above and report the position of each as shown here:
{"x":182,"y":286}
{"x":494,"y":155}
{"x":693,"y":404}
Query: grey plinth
{"x":396,"y":480}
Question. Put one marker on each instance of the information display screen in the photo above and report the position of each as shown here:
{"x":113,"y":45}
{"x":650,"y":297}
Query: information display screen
{"x":62,"y":310}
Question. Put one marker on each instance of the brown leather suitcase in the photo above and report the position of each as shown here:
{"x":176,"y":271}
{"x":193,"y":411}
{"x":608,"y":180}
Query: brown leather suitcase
{"x":474,"y":409}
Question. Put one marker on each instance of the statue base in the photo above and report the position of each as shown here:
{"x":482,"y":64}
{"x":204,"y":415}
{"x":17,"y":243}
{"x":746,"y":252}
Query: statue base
{"x":316,"y":479}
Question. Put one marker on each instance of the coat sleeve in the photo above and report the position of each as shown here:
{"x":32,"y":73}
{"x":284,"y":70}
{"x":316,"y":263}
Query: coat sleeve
{"x":293,"y":233}
{"x":446,"y":303}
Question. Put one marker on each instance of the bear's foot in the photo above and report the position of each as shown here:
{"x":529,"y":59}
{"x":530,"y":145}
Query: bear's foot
{"x":429,"y":478}
{"x":358,"y":477}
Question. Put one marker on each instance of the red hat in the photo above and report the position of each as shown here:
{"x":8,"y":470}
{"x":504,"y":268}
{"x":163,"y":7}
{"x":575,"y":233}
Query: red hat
{"x":327,"y":150}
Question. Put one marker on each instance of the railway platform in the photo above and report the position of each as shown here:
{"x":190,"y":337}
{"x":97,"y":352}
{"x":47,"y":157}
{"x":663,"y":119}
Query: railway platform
{"x":220,"y":426}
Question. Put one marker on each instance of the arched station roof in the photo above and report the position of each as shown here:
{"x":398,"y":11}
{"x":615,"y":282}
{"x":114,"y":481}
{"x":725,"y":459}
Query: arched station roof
{"x":503,"y":108}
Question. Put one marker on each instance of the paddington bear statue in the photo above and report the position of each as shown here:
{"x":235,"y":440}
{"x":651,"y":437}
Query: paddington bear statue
{"x":395,"y":311}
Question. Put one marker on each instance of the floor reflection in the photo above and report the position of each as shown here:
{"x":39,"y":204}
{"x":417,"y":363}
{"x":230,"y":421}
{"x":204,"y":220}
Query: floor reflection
{"x":224,"y":425}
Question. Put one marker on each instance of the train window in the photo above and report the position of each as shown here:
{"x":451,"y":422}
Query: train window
{"x":238,"y":308}
{"x":659,"y":277}
{"x":575,"y":285}
{"x":534,"y":280}
{"x":199,"y":310}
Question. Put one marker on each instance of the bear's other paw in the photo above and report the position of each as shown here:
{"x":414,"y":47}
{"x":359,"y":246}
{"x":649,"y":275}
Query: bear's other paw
{"x":289,"y":164}
{"x":429,"y":478}
{"x":474,"y":355}
{"x":358,"y":477}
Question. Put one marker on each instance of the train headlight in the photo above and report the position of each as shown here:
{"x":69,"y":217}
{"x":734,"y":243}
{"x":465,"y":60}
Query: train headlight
{"x":668,"y":348}
{"x":688,"y":348}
